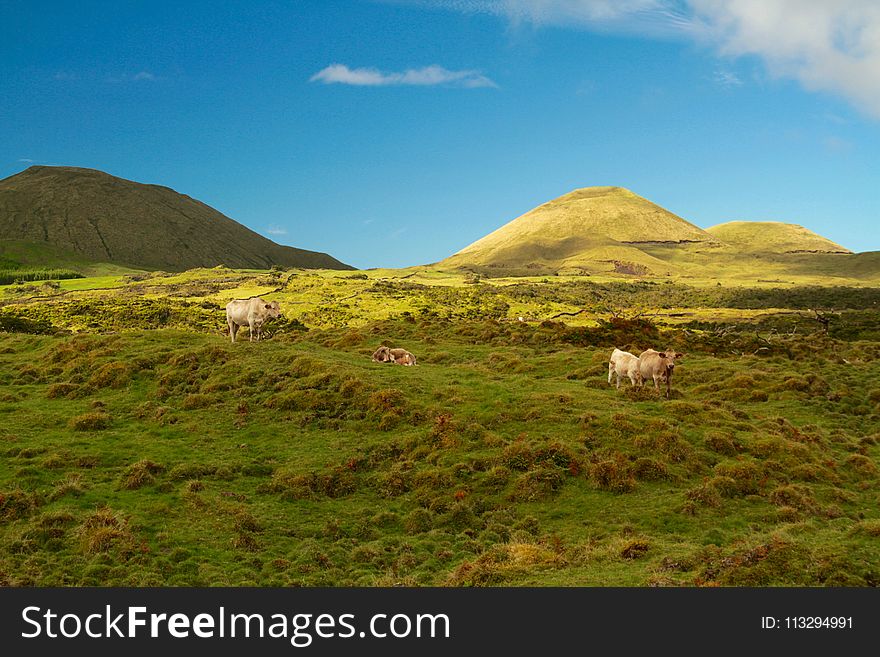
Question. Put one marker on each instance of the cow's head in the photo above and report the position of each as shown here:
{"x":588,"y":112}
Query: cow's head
{"x":382,"y":355}
{"x":273,"y":309}
{"x":669,"y":357}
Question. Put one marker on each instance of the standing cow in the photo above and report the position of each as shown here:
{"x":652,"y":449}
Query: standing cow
{"x":251,"y":312}
{"x":623,"y":363}
{"x":658,"y":366}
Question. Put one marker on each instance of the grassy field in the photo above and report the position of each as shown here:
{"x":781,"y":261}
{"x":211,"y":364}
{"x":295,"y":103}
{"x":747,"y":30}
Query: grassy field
{"x":139,"y":447}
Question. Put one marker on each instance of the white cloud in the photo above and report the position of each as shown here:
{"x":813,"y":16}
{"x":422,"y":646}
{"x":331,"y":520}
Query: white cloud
{"x":65,"y":76}
{"x":144,"y":75}
{"x":826,"y":45}
{"x":25,"y":160}
{"x":427,"y":76}
{"x":276,"y":230}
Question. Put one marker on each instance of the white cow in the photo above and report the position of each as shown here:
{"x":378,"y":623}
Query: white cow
{"x":251,"y":312}
{"x":396,"y":356}
{"x":623,"y":363}
{"x":659,"y":366}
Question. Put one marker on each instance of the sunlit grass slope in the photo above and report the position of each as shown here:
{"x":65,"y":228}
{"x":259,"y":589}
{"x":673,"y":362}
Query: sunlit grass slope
{"x":164,"y":457}
{"x":773,"y":237}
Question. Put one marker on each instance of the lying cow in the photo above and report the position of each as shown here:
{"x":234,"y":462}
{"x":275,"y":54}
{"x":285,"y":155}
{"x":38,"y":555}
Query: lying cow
{"x":623,"y":363}
{"x":658,"y":365}
{"x":251,"y":312}
{"x":396,"y":356}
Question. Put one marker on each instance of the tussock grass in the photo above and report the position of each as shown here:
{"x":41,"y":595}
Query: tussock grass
{"x":503,"y":458}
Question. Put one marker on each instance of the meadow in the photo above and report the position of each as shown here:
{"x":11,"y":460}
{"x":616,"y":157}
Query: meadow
{"x":139,"y":447}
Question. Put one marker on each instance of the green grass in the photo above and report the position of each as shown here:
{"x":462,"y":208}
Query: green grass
{"x":149,"y":457}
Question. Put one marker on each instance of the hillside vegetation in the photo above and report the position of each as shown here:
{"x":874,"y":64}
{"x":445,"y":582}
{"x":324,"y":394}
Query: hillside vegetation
{"x":609,"y":231}
{"x":100,"y":218}
{"x":774,"y":237}
{"x":139,"y":447}
{"x":582,"y":228}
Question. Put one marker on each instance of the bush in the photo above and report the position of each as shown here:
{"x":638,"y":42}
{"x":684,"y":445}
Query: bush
{"x":93,"y":421}
{"x":111,"y":375}
{"x":613,"y":474}
{"x":538,"y":484}
{"x":139,"y":474}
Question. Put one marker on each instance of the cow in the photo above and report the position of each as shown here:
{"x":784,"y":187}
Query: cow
{"x":252,"y":312}
{"x":658,"y":365}
{"x":390,"y":355}
{"x":623,"y":363}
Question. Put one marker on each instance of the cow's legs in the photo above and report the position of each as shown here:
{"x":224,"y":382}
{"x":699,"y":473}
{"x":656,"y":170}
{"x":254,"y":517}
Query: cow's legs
{"x":233,"y":329}
{"x":610,"y":371}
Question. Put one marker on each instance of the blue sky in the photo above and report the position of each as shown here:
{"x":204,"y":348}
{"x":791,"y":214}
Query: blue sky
{"x":395,"y":133}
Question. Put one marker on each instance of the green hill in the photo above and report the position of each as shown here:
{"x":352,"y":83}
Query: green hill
{"x":101,"y":218}
{"x":594,"y":227}
{"x":611,"y":231}
{"x":773,"y":237}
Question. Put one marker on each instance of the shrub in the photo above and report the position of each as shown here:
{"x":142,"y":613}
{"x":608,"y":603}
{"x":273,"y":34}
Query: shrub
{"x":195,"y":400}
{"x":538,"y":484}
{"x":388,"y":400}
{"x":103,"y":530}
{"x":17,"y":503}
{"x":746,"y":475}
{"x":613,"y":474}
{"x":183,"y":471}
{"x":139,"y":474}
{"x":111,"y":375}
{"x":794,"y":496}
{"x":93,"y":421}
{"x":57,"y":390}
{"x":635,"y":549}
{"x":418,"y":521}
{"x":648,"y":469}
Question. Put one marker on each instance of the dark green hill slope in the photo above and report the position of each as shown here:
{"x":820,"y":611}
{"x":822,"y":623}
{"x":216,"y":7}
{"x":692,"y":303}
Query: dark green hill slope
{"x":108,"y":219}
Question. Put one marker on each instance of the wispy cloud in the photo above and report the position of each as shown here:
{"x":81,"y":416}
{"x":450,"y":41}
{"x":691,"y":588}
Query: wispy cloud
{"x":826,"y":45}
{"x":140,"y":76}
{"x":65,"y":76}
{"x":25,"y":160}
{"x":727,"y":79}
{"x":276,"y":230}
{"x":837,"y":145}
{"x":644,"y":16}
{"x":427,"y":76}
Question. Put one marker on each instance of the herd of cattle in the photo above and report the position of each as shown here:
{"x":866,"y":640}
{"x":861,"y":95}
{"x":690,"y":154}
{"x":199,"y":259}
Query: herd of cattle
{"x":649,"y":365}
